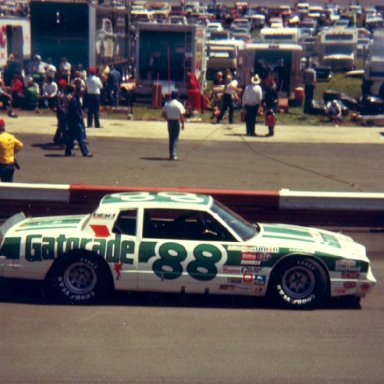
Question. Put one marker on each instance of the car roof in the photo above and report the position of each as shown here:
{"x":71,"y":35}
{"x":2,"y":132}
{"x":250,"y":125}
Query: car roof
{"x":156,"y":199}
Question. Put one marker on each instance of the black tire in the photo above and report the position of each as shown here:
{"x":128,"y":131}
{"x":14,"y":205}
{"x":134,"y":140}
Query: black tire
{"x":299,"y":283}
{"x":79,"y":278}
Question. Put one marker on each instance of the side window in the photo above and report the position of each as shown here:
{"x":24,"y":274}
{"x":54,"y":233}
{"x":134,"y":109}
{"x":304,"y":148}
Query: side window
{"x":126,"y":223}
{"x":182,"y":224}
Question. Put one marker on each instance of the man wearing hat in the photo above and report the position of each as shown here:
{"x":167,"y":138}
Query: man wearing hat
{"x":9,"y":146}
{"x":251,"y":100}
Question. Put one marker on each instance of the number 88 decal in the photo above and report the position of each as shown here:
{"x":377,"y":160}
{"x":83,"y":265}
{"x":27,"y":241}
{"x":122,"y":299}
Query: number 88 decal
{"x":202,"y":268}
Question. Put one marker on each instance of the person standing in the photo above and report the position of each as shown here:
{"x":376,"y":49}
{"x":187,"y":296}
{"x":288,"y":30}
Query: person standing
{"x":94,"y":87}
{"x":309,"y":87}
{"x":9,"y":146}
{"x":173,"y":111}
{"x":251,"y":100}
{"x":113,"y":86}
{"x":76,"y":127}
{"x":229,"y":97}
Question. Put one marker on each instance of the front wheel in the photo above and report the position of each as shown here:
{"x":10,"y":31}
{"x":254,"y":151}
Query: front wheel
{"x":79,"y":278}
{"x":299,"y":283}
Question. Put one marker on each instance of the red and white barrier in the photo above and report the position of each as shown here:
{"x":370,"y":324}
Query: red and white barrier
{"x":315,"y":208}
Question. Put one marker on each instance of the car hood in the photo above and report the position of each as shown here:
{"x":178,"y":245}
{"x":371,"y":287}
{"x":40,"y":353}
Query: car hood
{"x":313,"y":239}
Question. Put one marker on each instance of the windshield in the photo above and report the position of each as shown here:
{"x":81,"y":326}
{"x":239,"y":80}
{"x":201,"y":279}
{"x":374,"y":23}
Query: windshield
{"x":239,"y":225}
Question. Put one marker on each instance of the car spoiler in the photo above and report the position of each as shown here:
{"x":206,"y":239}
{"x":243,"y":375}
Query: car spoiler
{"x":11,"y":222}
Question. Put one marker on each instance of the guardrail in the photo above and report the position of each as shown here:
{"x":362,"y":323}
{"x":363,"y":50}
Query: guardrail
{"x":284,"y":206}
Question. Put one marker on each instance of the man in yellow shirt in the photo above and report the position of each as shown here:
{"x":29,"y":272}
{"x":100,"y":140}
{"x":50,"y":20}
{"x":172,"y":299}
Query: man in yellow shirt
{"x":9,"y":146}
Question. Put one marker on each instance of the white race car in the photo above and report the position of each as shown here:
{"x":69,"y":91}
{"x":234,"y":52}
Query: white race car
{"x":181,"y":242}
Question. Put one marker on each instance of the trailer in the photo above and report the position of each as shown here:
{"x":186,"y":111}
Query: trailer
{"x":337,"y":48}
{"x":282,"y":61}
{"x":15,"y":38}
{"x":165,"y":53}
{"x":84,"y":33}
{"x":374,"y":65}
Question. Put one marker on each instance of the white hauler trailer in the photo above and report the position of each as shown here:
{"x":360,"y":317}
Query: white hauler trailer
{"x":165,"y":53}
{"x":15,"y":37}
{"x":374,"y":65}
{"x":282,"y":61}
{"x":337,"y":48}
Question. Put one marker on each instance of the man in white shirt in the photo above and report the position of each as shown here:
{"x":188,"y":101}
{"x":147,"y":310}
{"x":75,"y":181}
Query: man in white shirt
{"x":251,"y":100}
{"x":94,"y":87}
{"x":229,"y":97}
{"x":173,"y":111}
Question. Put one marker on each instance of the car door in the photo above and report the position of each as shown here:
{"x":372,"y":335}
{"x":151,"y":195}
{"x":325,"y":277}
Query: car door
{"x":182,"y":251}
{"x":125,"y":245}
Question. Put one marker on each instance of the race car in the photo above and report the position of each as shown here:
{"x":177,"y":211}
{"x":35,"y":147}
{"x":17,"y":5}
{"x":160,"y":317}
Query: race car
{"x":181,"y":242}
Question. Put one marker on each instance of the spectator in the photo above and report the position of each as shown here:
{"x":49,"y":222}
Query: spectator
{"x":17,"y":90}
{"x":9,"y":146}
{"x":37,"y":71}
{"x":50,"y":89}
{"x":128,"y":89}
{"x":64,"y":96}
{"x":230,"y":96}
{"x":76,"y":127}
{"x":13,"y":66}
{"x":50,"y":69}
{"x":94,"y":87}
{"x":251,"y":100}
{"x":309,"y":87}
{"x":219,"y":79}
{"x":113,"y":86}
{"x":65,"y":69}
{"x":6,"y":99}
{"x":31,"y":99}
{"x":334,"y":112}
{"x":271,"y":97}
{"x":270,"y":121}
{"x":173,"y":111}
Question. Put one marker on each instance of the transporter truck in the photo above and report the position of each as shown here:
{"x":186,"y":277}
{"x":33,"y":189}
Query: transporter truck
{"x":82,"y":32}
{"x":166,"y":53}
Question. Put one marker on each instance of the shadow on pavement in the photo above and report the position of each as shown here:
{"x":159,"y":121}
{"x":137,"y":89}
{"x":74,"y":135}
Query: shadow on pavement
{"x":32,"y":292}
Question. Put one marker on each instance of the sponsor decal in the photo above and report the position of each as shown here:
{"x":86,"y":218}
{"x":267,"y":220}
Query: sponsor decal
{"x":250,"y":269}
{"x":103,"y":216}
{"x":301,"y":250}
{"x":349,"y":285}
{"x":39,"y":248}
{"x":227,"y":287}
{"x":260,"y":280}
{"x":231,"y":269}
{"x":255,"y":258}
{"x":235,"y":280}
{"x":100,"y":230}
{"x":247,"y":278}
{"x":255,"y":249}
{"x":350,"y":275}
{"x":340,"y":291}
{"x":346,"y":265}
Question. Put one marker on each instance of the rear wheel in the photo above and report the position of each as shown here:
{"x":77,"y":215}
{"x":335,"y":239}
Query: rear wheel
{"x":79,"y":278}
{"x":299,"y":283}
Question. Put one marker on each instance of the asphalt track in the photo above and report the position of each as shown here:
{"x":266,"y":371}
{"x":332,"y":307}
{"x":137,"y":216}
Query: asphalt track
{"x":131,"y":153}
{"x":149,"y":338}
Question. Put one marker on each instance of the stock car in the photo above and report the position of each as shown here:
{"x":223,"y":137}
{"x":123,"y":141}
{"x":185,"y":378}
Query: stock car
{"x":181,"y":242}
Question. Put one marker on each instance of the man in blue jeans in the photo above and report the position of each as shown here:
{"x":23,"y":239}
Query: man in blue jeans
{"x":173,"y":111}
{"x":76,"y":127}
